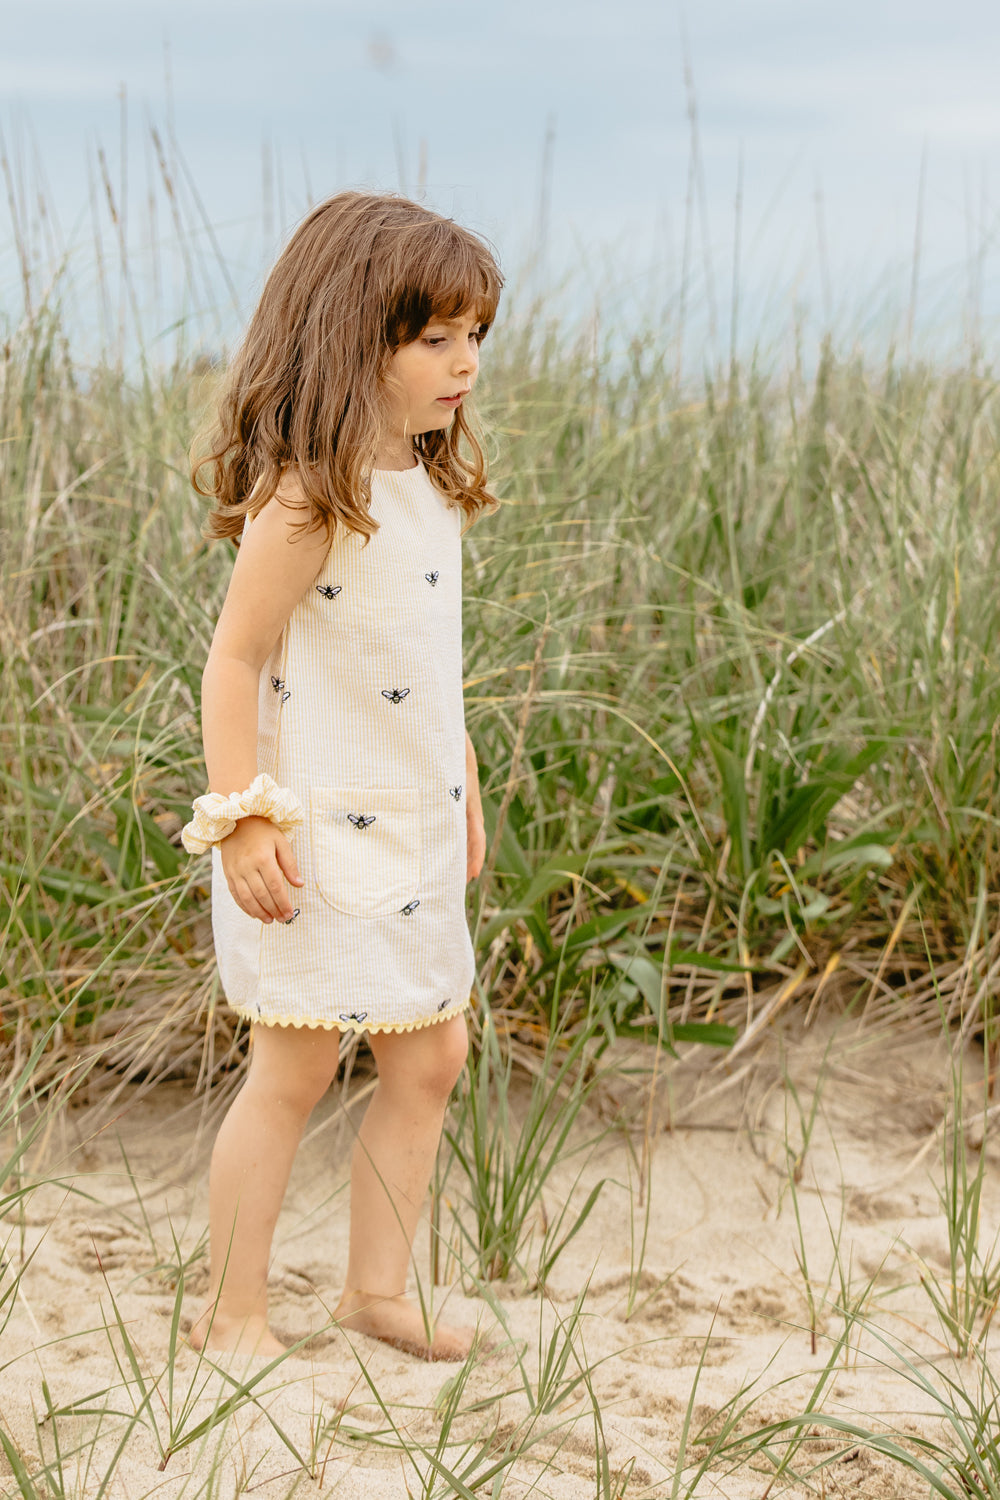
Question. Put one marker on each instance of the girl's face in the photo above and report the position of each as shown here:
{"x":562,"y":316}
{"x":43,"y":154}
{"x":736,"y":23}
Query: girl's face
{"x":428,"y":378}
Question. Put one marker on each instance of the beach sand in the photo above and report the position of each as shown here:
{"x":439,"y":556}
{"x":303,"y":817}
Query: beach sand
{"x":713,"y":1303}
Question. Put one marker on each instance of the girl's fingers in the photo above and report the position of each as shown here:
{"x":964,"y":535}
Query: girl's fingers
{"x":247,"y":901}
{"x":286,"y":861}
{"x":277,"y":892}
{"x":268,"y":888}
{"x":262,"y":894}
{"x":258,"y":878}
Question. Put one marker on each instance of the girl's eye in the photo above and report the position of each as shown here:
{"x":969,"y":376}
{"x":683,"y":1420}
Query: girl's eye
{"x":433,"y":340}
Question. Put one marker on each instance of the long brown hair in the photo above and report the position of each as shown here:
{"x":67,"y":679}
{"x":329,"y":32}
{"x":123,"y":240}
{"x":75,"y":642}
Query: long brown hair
{"x":360,"y":276}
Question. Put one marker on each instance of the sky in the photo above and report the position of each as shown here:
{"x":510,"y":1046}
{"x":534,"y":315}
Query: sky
{"x":830,"y":141}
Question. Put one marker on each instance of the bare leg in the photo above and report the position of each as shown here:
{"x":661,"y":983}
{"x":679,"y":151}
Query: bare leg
{"x":390,"y":1172}
{"x":290,"y":1070}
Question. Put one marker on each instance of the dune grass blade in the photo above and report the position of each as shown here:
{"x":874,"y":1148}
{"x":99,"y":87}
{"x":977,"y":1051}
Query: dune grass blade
{"x":478,"y":1461}
{"x":973,"y":1285}
{"x":26,"y":1485}
{"x":506,"y":1165}
{"x":962,"y":1465}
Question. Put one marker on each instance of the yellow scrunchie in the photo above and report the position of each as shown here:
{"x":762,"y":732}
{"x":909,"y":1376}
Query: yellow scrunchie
{"x":215,"y":816}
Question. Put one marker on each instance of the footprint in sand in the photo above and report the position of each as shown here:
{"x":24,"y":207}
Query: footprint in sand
{"x":688,"y":1352}
{"x":656,"y":1296}
{"x":755,"y":1304}
{"x":871,"y":1208}
{"x":299,"y":1283}
{"x":104,"y":1247}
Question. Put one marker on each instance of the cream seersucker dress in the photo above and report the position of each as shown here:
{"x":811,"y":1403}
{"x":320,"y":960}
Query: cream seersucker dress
{"x":361,"y":713}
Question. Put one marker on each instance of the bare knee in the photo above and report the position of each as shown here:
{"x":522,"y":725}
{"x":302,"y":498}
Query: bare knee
{"x":428,"y":1061}
{"x":450,"y":1059}
{"x":293,"y":1068}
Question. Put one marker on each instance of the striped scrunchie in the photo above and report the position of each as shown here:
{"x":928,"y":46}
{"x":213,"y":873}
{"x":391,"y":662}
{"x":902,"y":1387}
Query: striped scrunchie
{"x":215,"y":816}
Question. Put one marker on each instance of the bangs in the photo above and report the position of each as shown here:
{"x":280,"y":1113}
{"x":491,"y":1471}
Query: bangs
{"x":463,"y":286}
{"x":443,"y":272}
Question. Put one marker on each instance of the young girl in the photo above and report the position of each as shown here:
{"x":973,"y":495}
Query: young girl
{"x":344,"y":815}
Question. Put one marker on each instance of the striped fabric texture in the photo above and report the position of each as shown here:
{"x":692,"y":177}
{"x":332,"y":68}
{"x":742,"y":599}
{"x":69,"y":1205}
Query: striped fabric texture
{"x":361,"y":714}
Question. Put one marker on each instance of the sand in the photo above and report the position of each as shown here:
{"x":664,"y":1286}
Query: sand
{"x":715,"y":1302}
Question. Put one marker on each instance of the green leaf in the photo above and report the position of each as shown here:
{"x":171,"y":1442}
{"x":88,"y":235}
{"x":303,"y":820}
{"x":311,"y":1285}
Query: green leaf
{"x":510,"y":856}
{"x":647,"y":976}
{"x":806,"y":809}
{"x":735,"y":804}
{"x":25,"y":1484}
{"x":708,"y":1033}
{"x":60,"y":883}
{"x":848,"y":855}
{"x":608,"y":924}
{"x":694,"y":959}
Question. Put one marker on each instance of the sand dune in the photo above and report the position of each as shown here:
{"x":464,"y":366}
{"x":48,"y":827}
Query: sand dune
{"x":720,"y":1284}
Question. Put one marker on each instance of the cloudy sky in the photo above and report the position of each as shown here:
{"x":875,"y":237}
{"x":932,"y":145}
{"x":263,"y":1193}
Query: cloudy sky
{"x":823,"y":113}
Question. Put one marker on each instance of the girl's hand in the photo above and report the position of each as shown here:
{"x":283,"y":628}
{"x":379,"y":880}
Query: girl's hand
{"x":257,"y":860}
{"x":475,"y":832}
{"x":475,"y":838}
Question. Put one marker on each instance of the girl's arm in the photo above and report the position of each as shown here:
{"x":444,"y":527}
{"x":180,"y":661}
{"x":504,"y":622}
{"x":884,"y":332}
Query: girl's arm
{"x":474,"y":830}
{"x":274,"y":567}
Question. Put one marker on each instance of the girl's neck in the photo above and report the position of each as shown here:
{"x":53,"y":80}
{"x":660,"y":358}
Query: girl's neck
{"x":395,"y":453}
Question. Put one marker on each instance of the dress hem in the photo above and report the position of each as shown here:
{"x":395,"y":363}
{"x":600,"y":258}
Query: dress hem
{"x":315,"y":1023}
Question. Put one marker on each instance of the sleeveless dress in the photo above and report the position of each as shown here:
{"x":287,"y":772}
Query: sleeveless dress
{"x":361,"y":713}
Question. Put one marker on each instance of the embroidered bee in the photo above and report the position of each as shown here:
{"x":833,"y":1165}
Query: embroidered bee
{"x":444,"y":1005}
{"x":395,"y":695}
{"x":456,"y":792}
{"x":329,"y":590}
{"x":432,"y":578}
{"x":361,"y":820}
{"x":409,"y":908}
{"x":356,"y":1015}
{"x":279,"y":687}
{"x":291,"y":919}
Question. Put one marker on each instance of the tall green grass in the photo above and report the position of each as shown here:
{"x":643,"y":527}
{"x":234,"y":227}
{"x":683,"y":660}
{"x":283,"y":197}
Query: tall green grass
{"x":729,"y":674}
{"x":727,"y":651}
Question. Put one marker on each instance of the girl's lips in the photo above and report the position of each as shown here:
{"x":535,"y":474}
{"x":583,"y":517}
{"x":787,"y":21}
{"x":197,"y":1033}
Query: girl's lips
{"x":451,"y":400}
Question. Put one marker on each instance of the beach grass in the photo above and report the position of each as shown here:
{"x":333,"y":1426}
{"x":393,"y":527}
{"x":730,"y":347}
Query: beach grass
{"x":728,"y":650}
{"x":727,"y":670}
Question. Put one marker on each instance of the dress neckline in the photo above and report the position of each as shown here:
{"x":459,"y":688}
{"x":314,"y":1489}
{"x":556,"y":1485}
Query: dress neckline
{"x":413,"y":469}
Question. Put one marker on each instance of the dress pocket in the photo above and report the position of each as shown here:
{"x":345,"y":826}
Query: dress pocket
{"x":366,"y":848}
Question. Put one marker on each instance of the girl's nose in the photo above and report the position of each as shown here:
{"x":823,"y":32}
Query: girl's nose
{"x":467,"y":357}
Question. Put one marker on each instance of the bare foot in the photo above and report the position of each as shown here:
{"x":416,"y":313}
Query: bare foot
{"x":217,"y":1334}
{"x":397,"y":1321}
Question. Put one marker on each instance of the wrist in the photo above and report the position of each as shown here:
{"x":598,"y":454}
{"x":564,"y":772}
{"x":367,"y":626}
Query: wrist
{"x":216,"y":816}
{"x":249,"y":825}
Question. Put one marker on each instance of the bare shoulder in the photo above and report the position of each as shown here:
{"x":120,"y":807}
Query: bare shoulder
{"x":280,"y":555}
{"x":283,"y":532}
{"x":288,"y":515}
